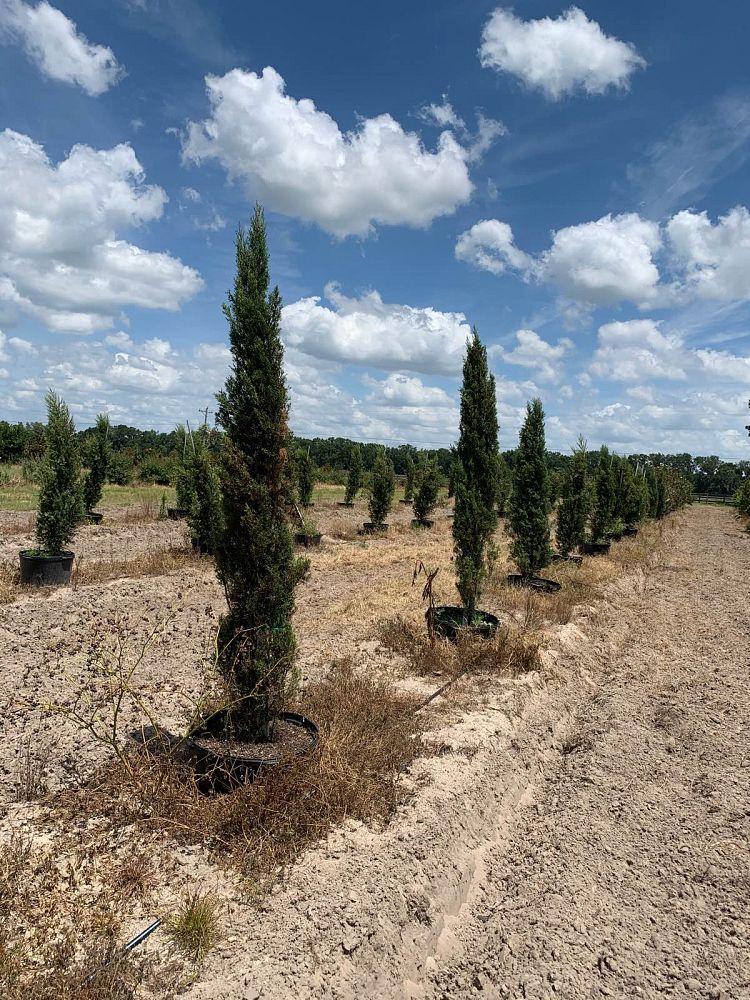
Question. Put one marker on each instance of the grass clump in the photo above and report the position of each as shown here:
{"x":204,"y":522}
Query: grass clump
{"x":194,"y":928}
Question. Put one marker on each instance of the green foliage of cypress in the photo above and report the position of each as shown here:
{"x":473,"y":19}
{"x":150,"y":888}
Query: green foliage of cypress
{"x":205,"y":513}
{"x":354,"y":478}
{"x":604,"y":496}
{"x":660,"y":502}
{"x":99,"y":460}
{"x":382,"y":488}
{"x":427,"y":493}
{"x":504,"y":486}
{"x":574,"y":509}
{"x":653,"y":490}
{"x":634,"y":502}
{"x":742,"y":499}
{"x":475,"y":474}
{"x":60,"y":505}
{"x":255,"y":557}
{"x":409,"y":480}
{"x":529,"y":501}
{"x":305,"y":469}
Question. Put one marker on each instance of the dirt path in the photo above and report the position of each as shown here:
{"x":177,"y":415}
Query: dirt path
{"x":631,"y":877}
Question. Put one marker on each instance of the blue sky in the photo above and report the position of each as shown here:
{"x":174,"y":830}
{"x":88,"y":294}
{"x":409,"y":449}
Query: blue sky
{"x":571,"y":180}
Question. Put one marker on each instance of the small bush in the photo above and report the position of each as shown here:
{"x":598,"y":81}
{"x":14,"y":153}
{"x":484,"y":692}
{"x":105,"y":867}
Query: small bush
{"x":382,"y":488}
{"x":354,"y":478}
{"x":305,"y":475}
{"x":60,"y":507}
{"x":120,"y":471}
{"x":195,"y":926}
{"x":99,"y":463}
{"x":427,"y":493}
{"x":156,"y":470}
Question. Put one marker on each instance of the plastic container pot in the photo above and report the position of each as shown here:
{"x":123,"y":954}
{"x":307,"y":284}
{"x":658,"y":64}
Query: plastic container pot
{"x":448,"y":621}
{"x":46,"y":571}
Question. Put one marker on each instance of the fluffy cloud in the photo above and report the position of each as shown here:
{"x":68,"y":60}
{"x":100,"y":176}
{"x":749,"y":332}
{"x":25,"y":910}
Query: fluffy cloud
{"x":296,"y":160}
{"x":637,"y":349}
{"x":368,"y":331}
{"x":53,"y":42}
{"x":406,"y":390}
{"x":531,"y":351}
{"x":557,"y":56}
{"x":715,"y":258}
{"x":489,"y":246}
{"x":625,"y":258}
{"x":60,"y":260}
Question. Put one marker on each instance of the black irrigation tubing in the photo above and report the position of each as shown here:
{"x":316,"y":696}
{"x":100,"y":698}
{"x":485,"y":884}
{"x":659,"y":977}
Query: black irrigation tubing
{"x":441,"y":690}
{"x":131,"y":944}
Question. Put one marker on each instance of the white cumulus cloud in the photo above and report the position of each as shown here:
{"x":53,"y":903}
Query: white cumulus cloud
{"x":557,"y":55}
{"x":60,"y":259}
{"x":636,"y":350}
{"x":367,"y":331}
{"x":296,"y":160}
{"x":53,"y":42}
{"x":489,"y":246}
{"x":532,"y":351}
{"x":715,"y":258}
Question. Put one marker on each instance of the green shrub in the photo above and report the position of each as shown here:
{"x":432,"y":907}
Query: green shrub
{"x":205,"y":515}
{"x":427,"y":493}
{"x":573,"y":512}
{"x":409,"y":480}
{"x":742,"y":499}
{"x":475,"y":474}
{"x":528,"y":522}
{"x":305,"y":469}
{"x":382,"y":488}
{"x":604,"y":497}
{"x":255,"y":557}
{"x":60,"y":506}
{"x":156,"y":469}
{"x":120,"y":471}
{"x":354,"y":478}
{"x":99,"y":458}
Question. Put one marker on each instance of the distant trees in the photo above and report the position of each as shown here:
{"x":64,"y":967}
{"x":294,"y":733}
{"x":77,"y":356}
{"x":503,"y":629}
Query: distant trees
{"x":60,"y":503}
{"x":528,"y":520}
{"x":476,"y":474}
{"x":409,"y":480}
{"x":574,"y":508}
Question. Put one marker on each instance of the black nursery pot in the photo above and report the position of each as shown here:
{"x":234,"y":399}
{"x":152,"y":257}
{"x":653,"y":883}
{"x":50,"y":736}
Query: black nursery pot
{"x":223,"y":771}
{"x":630,"y":531}
{"x":300,"y":538}
{"x":533,"y":582}
{"x":448,"y":621}
{"x":177,"y":513}
{"x":613,"y":536}
{"x":596,"y":548}
{"x":424,"y":523}
{"x":407,"y":502}
{"x":368,"y":528}
{"x":559,"y":557}
{"x":343,"y":503}
{"x":46,"y":571}
{"x":94,"y":516}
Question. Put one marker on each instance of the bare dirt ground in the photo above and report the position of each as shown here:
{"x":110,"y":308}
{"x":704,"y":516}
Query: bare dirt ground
{"x":582,"y":832}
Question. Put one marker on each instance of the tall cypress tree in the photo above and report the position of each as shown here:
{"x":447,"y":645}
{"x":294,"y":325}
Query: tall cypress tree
{"x":573,"y":512}
{"x":98,"y":464}
{"x":529,"y":501}
{"x":476,"y":473}
{"x":604,"y":496}
{"x":60,"y":504}
{"x":382,"y":488}
{"x":255,"y":559}
{"x":354,"y":479}
{"x":305,"y":477}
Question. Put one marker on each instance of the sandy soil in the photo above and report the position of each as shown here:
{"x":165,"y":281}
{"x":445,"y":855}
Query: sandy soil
{"x":596,"y":844}
{"x":587,"y":836}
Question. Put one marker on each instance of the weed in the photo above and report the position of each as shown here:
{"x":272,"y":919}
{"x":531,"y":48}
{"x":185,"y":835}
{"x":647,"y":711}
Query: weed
{"x":155,"y":562}
{"x":194,"y":928}
{"x":30,"y":784}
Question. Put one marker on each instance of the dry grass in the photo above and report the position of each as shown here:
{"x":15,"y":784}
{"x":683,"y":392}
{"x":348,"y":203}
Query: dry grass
{"x":368,"y":736}
{"x":155,"y":562}
{"x":9,"y":581}
{"x":30,"y":780}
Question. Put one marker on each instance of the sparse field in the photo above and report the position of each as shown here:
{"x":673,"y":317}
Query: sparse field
{"x":417,"y":828}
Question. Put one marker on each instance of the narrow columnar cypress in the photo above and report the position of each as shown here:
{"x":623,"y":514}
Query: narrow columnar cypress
{"x":101,"y":454}
{"x":475,"y":474}
{"x":382,"y":488}
{"x":573,"y":512}
{"x":427,"y":492}
{"x":604,"y":496}
{"x":354,"y":479}
{"x":60,"y":504}
{"x":409,"y":480}
{"x":504,"y":485}
{"x":634,"y":499}
{"x":529,"y":502}
{"x":255,"y":557}
{"x":205,"y":513}
{"x":305,"y":478}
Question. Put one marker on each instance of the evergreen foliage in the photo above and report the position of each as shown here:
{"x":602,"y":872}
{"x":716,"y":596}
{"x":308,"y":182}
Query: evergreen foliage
{"x":409,"y":480}
{"x":427,"y":493}
{"x":573,"y":512}
{"x":604,"y":497}
{"x":305,"y":477}
{"x":255,"y":557}
{"x":60,"y":505}
{"x":529,"y":502}
{"x":99,"y":459}
{"x":476,"y":474}
{"x":382,"y":488}
{"x":354,"y":478}
{"x":634,"y":504}
{"x":504,"y":486}
{"x":205,"y":513}
{"x":742,"y":499}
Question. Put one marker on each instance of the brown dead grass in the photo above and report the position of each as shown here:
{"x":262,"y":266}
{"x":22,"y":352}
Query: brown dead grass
{"x":155,"y":562}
